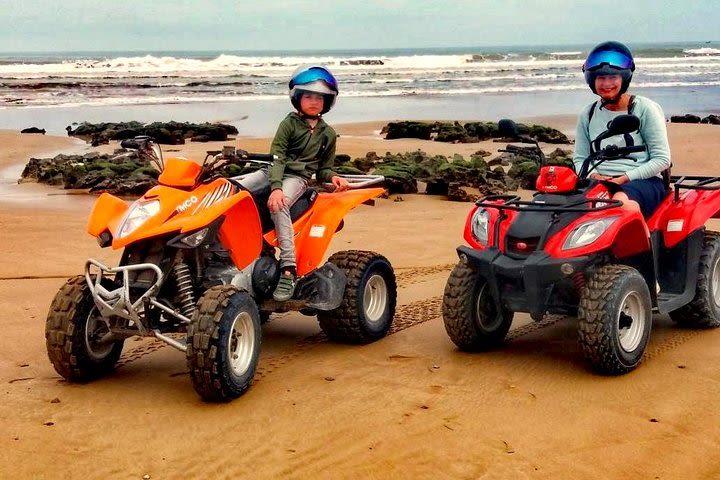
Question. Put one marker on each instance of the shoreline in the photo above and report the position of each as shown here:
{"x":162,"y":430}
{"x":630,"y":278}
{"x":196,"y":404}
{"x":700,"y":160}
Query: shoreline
{"x":260,"y":117}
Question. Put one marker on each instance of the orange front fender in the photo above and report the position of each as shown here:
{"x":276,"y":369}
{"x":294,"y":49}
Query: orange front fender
{"x":316,"y":228}
{"x":107,"y":211}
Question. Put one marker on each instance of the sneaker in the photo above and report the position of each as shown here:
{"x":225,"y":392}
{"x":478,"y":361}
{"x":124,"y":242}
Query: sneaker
{"x":285,"y":287}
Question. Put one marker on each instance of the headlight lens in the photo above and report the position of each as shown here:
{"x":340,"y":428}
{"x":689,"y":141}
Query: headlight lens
{"x":586,"y":233}
{"x":139,"y":212}
{"x":479,"y":226}
{"x":195,"y":239}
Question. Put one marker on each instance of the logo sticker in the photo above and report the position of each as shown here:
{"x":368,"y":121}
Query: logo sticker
{"x":186,"y":204}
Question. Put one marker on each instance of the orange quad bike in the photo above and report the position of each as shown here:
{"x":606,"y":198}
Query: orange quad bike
{"x":198,"y":270}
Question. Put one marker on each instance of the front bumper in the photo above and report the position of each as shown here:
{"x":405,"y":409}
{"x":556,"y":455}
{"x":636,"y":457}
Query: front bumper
{"x":535,"y":284}
{"x":118,"y":302}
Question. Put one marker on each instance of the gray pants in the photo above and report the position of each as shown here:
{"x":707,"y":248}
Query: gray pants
{"x":293,"y":187}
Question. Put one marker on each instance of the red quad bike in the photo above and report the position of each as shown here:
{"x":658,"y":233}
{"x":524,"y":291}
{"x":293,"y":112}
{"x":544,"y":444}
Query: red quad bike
{"x":198,"y":270}
{"x":573,"y":250}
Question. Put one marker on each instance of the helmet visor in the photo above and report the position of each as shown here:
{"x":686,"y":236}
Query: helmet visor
{"x":610,"y":57}
{"x":312,"y":75}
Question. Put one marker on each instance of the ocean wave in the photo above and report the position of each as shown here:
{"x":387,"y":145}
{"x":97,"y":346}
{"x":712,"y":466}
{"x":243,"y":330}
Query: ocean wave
{"x":703,"y":51}
{"x":149,"y":66}
{"x":187,"y":78}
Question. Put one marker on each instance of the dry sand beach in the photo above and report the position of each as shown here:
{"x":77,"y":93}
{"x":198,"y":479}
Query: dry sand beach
{"x":408,"y":406}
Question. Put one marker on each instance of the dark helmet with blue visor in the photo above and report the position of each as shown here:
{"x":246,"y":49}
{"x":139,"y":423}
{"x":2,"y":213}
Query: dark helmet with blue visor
{"x":313,"y":79}
{"x":609,"y":58}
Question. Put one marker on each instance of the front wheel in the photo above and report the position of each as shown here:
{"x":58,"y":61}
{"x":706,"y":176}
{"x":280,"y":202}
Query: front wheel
{"x":223,"y":343}
{"x":472,"y":319}
{"x":704,"y":310}
{"x":368,"y":306}
{"x":79,"y":342}
{"x":615,"y":319}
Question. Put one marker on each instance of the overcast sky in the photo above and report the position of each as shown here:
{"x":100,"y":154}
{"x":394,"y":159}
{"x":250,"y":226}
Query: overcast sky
{"x":151,"y":25}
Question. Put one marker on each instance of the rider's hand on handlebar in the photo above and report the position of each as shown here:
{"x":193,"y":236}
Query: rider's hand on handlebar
{"x":340,"y":183}
{"x":277,"y":200}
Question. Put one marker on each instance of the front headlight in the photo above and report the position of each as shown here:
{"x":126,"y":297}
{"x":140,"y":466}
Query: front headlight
{"x":479,"y":226}
{"x":586,"y":233}
{"x":195,"y":239}
{"x":138,"y":214}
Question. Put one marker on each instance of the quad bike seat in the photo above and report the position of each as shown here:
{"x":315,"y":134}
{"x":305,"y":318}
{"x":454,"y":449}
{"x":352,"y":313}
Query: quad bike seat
{"x":297,"y":209}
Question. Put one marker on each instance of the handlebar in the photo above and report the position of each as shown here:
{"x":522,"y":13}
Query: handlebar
{"x":611,"y":152}
{"x":262,"y":157}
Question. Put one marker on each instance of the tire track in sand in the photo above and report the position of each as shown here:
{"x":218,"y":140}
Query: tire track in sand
{"x":269,"y":362}
{"x":406,"y":316}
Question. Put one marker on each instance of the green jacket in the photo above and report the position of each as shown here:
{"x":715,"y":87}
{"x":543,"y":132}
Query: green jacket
{"x":300,"y":151}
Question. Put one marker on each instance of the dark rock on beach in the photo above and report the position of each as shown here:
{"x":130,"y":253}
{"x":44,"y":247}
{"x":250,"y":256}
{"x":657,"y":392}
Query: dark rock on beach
{"x":362,"y":62}
{"x":168,"y":133}
{"x":711,"y":119}
{"x":470,"y":132}
{"x":687,"y":118}
{"x":122,"y":173}
{"x":33,"y":130}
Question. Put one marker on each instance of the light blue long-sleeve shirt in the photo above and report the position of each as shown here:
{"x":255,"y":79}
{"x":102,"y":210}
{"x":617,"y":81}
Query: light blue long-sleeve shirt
{"x":652,"y":133}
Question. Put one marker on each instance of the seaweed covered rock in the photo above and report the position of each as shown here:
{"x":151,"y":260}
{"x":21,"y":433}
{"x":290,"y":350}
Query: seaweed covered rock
{"x":403,"y":172}
{"x":170,"y":133}
{"x":407,"y":129}
{"x":122,"y":173}
{"x":470,"y":132}
{"x":450,"y":132}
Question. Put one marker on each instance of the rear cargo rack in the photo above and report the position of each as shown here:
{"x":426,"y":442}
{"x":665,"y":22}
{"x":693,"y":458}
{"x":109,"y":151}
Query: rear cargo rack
{"x":513,"y":202}
{"x":699,"y":183}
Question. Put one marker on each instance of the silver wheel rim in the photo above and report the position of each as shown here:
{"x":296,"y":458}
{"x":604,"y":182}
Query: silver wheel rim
{"x":375,"y":298}
{"x":715,"y":282}
{"x":630,"y":322}
{"x":241,"y":343}
{"x":96,"y":327}
{"x":487,"y":322}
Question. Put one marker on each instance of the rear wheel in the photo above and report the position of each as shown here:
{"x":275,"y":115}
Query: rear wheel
{"x":368,"y":306}
{"x":472,"y":319}
{"x":78,"y":340}
{"x":223,"y":343}
{"x":615,"y":319}
{"x":704,"y":310}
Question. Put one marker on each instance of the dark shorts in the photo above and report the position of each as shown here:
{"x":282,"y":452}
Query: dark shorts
{"x":648,"y":193}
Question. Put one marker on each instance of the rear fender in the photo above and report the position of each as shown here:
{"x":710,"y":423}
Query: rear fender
{"x":106,"y":214}
{"x":241,"y":232}
{"x":315,"y":229}
{"x":688,"y":214}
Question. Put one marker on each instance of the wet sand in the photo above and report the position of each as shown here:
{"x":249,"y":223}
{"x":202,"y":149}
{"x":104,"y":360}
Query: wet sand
{"x":408,"y":406}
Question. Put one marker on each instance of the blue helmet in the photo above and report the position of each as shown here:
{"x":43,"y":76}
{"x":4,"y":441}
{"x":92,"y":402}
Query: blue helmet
{"x":315,"y":79}
{"x":609,"y":58}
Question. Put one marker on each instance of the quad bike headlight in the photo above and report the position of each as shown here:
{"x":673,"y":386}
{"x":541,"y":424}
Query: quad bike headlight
{"x":586,"y":233}
{"x":195,"y":239}
{"x":138,"y":214}
{"x":479,"y":225}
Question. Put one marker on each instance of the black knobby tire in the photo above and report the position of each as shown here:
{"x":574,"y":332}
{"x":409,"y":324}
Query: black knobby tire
{"x":223,"y":343}
{"x":368,"y":306}
{"x":472,"y":319}
{"x":615,"y":319}
{"x":704,"y":310}
{"x":75,"y":356}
